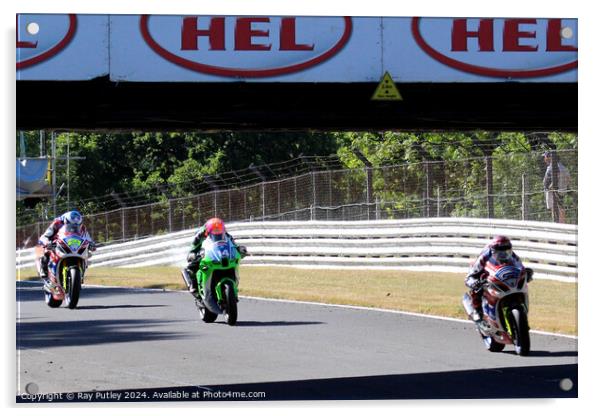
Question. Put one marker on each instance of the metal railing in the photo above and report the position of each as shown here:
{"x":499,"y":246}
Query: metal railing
{"x":435,"y":244}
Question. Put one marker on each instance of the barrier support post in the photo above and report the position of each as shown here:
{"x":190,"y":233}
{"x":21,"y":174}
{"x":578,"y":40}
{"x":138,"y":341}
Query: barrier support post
{"x":525,"y":202}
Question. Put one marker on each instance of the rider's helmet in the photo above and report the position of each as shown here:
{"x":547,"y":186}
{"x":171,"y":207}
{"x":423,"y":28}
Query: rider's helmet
{"x":215,"y":229}
{"x":72,"y":220}
{"x":501,"y":249}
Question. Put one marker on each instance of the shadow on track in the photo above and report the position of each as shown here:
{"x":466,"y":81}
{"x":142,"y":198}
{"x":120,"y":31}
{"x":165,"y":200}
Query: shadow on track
{"x":275,"y":323}
{"x":490,"y":383}
{"x":32,"y":291}
{"x":118,"y":306}
{"x":546,"y":353}
{"x":91,"y":332}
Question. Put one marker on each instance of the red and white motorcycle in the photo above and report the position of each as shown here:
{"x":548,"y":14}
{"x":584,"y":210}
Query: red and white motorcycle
{"x":505,"y":304}
{"x":68,"y":261}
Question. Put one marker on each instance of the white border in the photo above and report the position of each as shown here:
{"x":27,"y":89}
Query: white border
{"x":590,"y":149}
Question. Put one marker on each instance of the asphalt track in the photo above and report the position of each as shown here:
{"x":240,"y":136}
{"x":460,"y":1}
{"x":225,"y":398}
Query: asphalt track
{"x":120,"y":341}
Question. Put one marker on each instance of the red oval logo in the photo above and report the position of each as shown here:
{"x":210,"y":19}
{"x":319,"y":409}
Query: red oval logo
{"x":487,"y":70}
{"x":50,"y":51}
{"x":227,"y":71}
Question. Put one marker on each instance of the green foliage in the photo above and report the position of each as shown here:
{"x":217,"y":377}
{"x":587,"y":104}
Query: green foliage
{"x":457,"y":169}
{"x":136,"y":164}
{"x":175,"y":162}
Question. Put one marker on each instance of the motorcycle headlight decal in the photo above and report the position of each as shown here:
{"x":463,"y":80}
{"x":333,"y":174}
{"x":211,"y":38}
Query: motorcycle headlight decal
{"x":74,"y":243}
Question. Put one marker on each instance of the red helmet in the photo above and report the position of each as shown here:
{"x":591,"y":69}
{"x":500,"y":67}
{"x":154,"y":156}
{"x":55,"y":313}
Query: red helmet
{"x":501,"y":248}
{"x":215,"y":227}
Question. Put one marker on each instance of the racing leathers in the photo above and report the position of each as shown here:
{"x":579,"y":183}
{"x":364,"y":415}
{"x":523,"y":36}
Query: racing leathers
{"x":477,"y":275}
{"x":195,"y":255}
{"x":48,"y":237}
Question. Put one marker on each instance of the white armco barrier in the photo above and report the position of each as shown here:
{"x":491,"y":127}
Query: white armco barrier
{"x":434,"y":244}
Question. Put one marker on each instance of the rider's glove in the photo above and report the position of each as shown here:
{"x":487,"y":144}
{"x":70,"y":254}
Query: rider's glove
{"x":191,"y":257}
{"x":473,"y":283}
{"x":529,"y":273}
{"x":243,"y":251}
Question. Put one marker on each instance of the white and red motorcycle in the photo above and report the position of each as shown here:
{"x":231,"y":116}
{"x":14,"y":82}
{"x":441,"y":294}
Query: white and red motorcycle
{"x":69,"y":253}
{"x":505,"y":304}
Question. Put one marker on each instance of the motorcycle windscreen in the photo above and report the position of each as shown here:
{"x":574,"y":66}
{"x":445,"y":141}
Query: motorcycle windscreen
{"x":218,"y":250}
{"x":70,"y":235}
{"x":509,"y":275}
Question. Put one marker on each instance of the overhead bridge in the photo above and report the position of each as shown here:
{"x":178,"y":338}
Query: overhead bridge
{"x":140,"y":72}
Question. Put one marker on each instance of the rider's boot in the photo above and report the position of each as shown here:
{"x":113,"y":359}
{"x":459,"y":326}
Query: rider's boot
{"x":43,"y":271}
{"x":477,"y":314}
{"x":477,"y":317}
{"x":190,"y":281}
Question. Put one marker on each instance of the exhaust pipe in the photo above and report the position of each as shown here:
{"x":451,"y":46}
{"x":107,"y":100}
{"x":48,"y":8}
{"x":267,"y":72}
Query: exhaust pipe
{"x":188,"y":280}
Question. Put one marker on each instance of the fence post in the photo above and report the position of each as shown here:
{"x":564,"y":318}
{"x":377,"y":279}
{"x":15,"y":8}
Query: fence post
{"x":524,"y":205}
{"x":428,"y":192}
{"x":313,"y":188}
{"x":137,"y":224}
{"x":369,"y":188}
{"x":230,"y":205}
{"x":329,"y":195}
{"x":215,"y":203}
{"x":262,"y":201}
{"x":489,"y":183}
{"x":438,"y":202}
{"x":169,"y":214}
{"x":122,"y":223}
{"x":295,"y":189}
{"x":198,"y":210}
{"x":245,"y":203}
{"x":312,"y":212}
{"x":152,"y":223}
{"x":278,"y":200}
{"x":377,"y":207}
{"x":368,"y":170}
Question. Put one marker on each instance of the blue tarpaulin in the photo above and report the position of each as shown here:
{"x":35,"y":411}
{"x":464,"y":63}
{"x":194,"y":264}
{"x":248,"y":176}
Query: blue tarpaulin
{"x":31,"y":178}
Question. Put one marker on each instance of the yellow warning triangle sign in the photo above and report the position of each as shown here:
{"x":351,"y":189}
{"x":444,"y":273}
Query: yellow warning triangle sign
{"x":387,"y":90}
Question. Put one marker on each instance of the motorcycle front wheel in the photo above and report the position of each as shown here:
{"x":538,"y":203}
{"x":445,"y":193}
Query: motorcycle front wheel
{"x":231,"y":313}
{"x":522,"y":341}
{"x":74,"y":285}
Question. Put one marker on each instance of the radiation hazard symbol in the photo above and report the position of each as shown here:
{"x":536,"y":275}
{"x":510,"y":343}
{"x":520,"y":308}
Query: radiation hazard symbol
{"x":387,"y":90}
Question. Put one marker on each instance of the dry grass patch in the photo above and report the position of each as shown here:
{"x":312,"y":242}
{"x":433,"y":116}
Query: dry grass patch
{"x":553,"y":304}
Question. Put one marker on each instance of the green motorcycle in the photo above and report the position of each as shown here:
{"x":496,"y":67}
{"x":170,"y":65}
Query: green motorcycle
{"x":217,"y":279}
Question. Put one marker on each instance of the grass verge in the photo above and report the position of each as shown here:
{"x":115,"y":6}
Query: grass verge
{"x":553,"y":305}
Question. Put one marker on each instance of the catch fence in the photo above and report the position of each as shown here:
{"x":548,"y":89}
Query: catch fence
{"x":505,"y":186}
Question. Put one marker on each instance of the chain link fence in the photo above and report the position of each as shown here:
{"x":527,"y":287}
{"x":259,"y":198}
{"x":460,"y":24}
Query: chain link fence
{"x":508,"y":186}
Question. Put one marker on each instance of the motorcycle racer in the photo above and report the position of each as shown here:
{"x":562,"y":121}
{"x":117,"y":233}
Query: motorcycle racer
{"x":73,"y":218}
{"x":498,"y":251}
{"x":216,"y":229}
